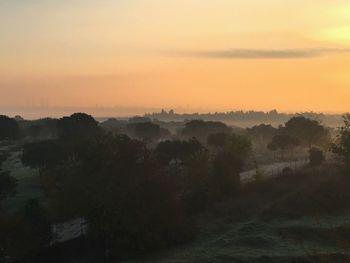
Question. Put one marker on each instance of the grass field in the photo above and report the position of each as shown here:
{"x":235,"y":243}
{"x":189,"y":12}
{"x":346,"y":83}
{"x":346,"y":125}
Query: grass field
{"x":273,"y":222}
{"x":258,"y":241}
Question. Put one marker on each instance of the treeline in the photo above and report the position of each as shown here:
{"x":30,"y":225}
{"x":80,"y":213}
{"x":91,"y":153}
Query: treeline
{"x":134,"y":198}
{"x":272,"y":116}
{"x":139,"y":192}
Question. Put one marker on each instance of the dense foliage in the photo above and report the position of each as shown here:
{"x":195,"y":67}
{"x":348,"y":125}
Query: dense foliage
{"x":8,"y":128}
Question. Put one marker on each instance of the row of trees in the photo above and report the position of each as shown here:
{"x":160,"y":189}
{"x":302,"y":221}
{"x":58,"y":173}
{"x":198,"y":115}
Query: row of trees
{"x":135,"y":199}
{"x":298,"y":131}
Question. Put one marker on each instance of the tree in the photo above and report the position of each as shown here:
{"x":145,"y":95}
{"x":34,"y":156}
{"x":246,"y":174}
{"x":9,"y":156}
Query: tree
{"x":117,"y":186}
{"x":307,"y":131}
{"x":197,"y":182}
{"x":225,"y":175}
{"x":43,"y":154}
{"x":25,"y":234}
{"x":272,"y":147}
{"x":40,"y":129}
{"x":139,"y":119}
{"x":227,"y":164}
{"x":178,"y":150}
{"x":218,"y":140}
{"x":77,"y":126}
{"x":342,"y":145}
{"x":239,"y":145}
{"x":146,"y":131}
{"x":283,"y":142}
{"x":8,"y":128}
{"x":316,"y":156}
{"x":261,"y":133}
{"x":202,"y":129}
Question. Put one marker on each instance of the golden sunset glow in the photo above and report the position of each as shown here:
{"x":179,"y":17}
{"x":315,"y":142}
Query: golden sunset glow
{"x":195,"y":55}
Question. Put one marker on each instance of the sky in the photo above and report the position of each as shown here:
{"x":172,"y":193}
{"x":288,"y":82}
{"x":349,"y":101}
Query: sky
{"x":197,"y":55}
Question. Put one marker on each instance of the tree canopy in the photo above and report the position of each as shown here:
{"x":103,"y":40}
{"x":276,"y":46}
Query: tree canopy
{"x":181,"y":150}
{"x":146,"y":131}
{"x":202,"y":129}
{"x":261,"y":133}
{"x":283,"y":142}
{"x":342,"y":145}
{"x":307,"y":131}
{"x":77,"y":126}
{"x":8,"y":128}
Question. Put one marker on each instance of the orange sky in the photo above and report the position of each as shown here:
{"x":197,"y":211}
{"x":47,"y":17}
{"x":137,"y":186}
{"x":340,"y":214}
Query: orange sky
{"x":193,"y":54}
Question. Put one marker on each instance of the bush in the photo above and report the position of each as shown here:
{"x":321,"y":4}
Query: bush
{"x":316,"y":157}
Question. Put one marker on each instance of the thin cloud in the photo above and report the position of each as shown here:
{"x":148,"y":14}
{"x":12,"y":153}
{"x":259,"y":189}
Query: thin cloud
{"x":264,"y":53}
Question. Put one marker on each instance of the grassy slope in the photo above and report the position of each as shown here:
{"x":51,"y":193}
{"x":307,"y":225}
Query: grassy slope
{"x":294,"y":218}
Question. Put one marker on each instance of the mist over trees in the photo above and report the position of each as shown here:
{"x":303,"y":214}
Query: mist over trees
{"x":309,"y":132}
{"x":342,"y":146}
{"x":202,"y":129}
{"x":247,"y":118}
{"x":128,"y":193}
{"x":141,"y":184}
{"x":146,"y":131}
{"x":262,"y":133}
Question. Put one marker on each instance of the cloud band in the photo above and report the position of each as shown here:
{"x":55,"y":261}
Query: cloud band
{"x":264,"y":53}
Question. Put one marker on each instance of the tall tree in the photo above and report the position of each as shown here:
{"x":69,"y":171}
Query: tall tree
{"x":342,"y":145}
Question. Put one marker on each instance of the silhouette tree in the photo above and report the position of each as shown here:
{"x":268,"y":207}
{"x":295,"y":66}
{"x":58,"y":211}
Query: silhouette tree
{"x":261,"y":133}
{"x":138,"y":119}
{"x":77,"y":126}
{"x":218,"y":140}
{"x":117,"y":186}
{"x":283,"y":142}
{"x":8,"y":128}
{"x":227,"y":165}
{"x":43,"y":154}
{"x":25,"y":234}
{"x":202,"y":129}
{"x":177,"y":150}
{"x":225,"y":175}
{"x":342,"y":145}
{"x":307,"y":131}
{"x":146,"y":131}
{"x":316,"y":156}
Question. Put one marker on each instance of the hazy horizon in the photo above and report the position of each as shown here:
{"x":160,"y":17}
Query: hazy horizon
{"x":37,"y":112}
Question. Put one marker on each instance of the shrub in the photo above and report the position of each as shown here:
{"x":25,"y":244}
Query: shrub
{"x":316,"y":156}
